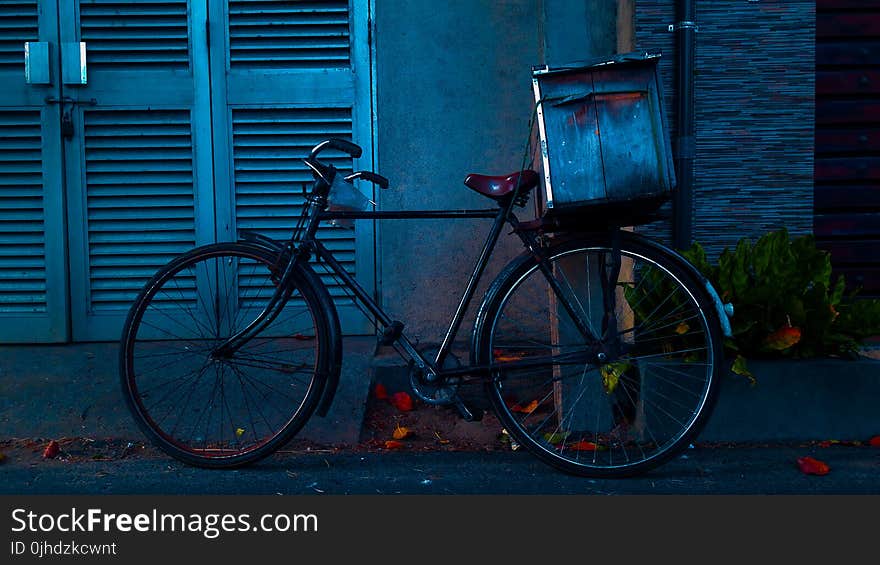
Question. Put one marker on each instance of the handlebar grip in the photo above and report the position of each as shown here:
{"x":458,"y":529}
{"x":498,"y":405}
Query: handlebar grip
{"x":346,"y":147}
{"x":377,"y":179}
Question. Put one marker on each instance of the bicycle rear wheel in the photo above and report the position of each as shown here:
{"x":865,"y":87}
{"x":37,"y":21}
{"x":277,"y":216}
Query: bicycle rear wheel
{"x":215,"y":410}
{"x":583,"y":414}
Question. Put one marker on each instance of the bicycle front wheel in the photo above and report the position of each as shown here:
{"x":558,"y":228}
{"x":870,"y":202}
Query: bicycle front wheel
{"x":589,"y":412}
{"x":221,"y":410}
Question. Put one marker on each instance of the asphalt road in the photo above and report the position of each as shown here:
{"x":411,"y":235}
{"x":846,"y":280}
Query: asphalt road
{"x":717,"y":470}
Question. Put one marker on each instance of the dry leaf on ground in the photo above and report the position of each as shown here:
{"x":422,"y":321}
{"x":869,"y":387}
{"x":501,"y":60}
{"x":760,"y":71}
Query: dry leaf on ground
{"x":811,"y":466}
{"x":51,"y":450}
{"x":402,"y":401}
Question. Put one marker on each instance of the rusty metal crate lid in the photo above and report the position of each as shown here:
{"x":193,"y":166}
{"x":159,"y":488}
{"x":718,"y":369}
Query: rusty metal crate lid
{"x":618,"y":59}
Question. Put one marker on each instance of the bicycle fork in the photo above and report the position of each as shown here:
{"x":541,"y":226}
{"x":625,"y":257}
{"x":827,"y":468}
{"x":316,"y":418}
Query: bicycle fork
{"x":283,"y":290}
{"x":270,"y":312}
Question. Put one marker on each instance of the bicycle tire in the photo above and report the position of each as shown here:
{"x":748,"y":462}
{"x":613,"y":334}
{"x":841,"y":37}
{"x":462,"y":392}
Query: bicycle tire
{"x":253,"y":402}
{"x":613,"y":419}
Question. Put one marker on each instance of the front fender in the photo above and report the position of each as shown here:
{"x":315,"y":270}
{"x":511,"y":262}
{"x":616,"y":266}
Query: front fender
{"x":334,"y":337}
{"x":261,"y":240}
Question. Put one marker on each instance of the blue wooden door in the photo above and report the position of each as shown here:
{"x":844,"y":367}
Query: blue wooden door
{"x":33,"y":287}
{"x":162,"y":125}
{"x":286,"y":75}
{"x":138,"y":163}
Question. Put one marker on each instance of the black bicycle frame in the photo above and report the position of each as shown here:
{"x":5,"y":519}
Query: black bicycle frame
{"x":309,"y":244}
{"x":433,"y":369}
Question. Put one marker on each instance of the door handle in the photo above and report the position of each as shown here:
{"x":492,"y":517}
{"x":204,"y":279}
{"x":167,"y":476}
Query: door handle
{"x":74,"y":70}
{"x":36,"y":62}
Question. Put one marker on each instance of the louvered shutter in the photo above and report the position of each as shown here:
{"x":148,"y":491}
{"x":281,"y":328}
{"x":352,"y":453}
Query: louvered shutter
{"x":23,"y":276}
{"x":268,"y":146}
{"x":130,"y":35}
{"x":139,"y":165}
{"x":22,"y":253}
{"x":19,"y":22}
{"x":288,"y":75}
{"x":139,"y":197}
{"x":289,"y":35}
{"x":32,"y":273}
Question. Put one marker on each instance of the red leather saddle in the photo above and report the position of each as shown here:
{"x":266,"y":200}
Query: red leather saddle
{"x":500,"y":186}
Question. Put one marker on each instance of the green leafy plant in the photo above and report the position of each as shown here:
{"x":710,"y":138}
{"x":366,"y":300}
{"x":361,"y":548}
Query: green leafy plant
{"x":785,"y":302}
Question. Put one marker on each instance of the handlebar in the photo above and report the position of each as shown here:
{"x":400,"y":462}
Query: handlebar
{"x":335,"y":143}
{"x":374,"y":178}
{"x":326,"y":172}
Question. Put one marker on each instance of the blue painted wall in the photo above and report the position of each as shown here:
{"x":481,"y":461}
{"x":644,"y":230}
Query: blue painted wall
{"x":453,"y":97}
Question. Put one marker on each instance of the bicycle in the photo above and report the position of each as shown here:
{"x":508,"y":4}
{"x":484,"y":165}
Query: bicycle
{"x":600,"y":351}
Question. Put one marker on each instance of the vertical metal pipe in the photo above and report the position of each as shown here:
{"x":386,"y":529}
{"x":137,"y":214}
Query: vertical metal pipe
{"x":685,"y":152}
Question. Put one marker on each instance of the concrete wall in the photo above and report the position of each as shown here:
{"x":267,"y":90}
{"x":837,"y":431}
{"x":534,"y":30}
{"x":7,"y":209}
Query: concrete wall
{"x":453,"y":97}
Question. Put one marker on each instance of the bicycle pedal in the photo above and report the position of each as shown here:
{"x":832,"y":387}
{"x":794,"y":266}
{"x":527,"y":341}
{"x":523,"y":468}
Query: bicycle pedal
{"x":467,"y":412}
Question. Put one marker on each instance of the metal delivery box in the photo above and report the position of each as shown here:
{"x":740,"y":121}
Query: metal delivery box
{"x":603,"y":135}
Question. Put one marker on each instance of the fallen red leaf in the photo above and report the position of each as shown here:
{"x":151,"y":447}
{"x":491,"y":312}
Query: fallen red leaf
{"x":380,"y":392}
{"x":51,"y":450}
{"x":393,"y":444}
{"x":301,"y":337}
{"x":874,"y":441}
{"x":402,"y":401}
{"x":582,"y":445}
{"x":783,"y":338}
{"x":810,"y":466}
{"x":506,"y":356}
{"x":527,"y":409}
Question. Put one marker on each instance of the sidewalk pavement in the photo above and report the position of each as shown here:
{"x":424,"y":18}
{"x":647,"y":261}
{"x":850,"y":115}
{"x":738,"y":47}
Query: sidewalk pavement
{"x":750,"y":445}
{"x":55,"y":391}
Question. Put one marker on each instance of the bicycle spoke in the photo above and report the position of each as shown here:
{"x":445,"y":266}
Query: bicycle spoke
{"x":188,"y":398}
{"x":270,"y":388}
{"x":186,"y":377}
{"x":634,"y":403}
{"x":244,"y":394}
{"x":165,"y":365}
{"x":282,"y":368}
